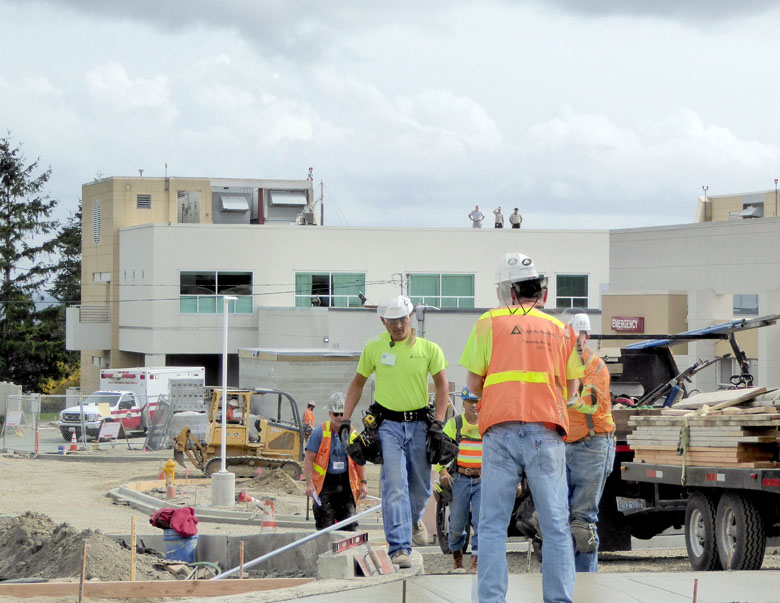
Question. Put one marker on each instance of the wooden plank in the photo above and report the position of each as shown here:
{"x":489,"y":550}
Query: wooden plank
{"x":150,"y":589}
{"x":720,"y":399}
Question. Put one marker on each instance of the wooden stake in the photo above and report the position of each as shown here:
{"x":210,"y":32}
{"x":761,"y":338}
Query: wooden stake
{"x":132,"y":547}
{"x":403,"y":599}
{"x":695,"y":590}
{"x":241,"y":561}
{"x":83,"y":572}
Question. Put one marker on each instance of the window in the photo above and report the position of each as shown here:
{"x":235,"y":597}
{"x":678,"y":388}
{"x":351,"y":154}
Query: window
{"x":201,"y":292}
{"x":746,"y":303}
{"x":143,"y":202}
{"x":329,"y":289}
{"x":571,"y":291}
{"x":101,"y":277}
{"x":442,"y":290}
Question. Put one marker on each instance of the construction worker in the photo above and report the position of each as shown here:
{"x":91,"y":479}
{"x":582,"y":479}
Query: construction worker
{"x":308,"y":418}
{"x":524,"y":365}
{"x":590,"y":450}
{"x":462,"y":476}
{"x":402,"y":362}
{"x":330,"y":474}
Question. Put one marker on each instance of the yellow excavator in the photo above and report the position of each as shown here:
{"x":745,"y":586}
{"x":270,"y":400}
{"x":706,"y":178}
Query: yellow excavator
{"x":263,"y":430}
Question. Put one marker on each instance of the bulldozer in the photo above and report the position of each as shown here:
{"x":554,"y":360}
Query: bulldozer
{"x":263,"y":430}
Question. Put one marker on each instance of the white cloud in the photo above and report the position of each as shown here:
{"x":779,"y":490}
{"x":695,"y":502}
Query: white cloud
{"x":111,"y":85}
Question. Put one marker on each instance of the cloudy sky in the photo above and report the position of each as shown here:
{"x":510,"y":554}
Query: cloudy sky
{"x":584,"y":114}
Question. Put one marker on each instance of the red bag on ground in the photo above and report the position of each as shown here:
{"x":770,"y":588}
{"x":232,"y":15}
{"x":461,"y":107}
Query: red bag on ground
{"x":181,"y":519}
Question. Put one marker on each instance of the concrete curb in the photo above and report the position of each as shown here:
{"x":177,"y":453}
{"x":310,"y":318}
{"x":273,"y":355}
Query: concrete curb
{"x":149,"y":504}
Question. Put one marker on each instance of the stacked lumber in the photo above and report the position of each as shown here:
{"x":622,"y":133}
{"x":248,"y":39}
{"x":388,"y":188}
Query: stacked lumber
{"x":729,"y":437}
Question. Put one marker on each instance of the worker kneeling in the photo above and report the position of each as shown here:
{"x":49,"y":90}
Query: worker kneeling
{"x":333,"y":481}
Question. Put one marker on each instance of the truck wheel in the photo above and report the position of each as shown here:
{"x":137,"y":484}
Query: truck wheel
{"x":67,"y":436}
{"x":740,"y":533}
{"x":700,"y":533}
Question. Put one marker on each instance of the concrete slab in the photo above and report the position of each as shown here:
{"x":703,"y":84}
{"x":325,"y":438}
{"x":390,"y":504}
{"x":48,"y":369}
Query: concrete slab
{"x":713,"y":587}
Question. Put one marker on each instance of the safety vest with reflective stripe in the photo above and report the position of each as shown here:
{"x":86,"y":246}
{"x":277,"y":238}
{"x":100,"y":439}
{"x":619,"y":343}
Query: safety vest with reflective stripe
{"x":532,"y":356}
{"x":322,"y":459}
{"x":597,"y":377}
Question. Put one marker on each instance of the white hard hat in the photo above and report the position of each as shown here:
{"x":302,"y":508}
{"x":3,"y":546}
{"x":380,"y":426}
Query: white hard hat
{"x":398,"y":307}
{"x":336,"y":402}
{"x":513,"y":268}
{"x":580,"y":322}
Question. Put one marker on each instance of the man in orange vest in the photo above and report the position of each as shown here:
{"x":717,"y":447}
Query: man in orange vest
{"x":590,"y":451}
{"x":463,"y":478}
{"x":333,"y":480}
{"x":524,"y":365}
{"x":308,"y":419}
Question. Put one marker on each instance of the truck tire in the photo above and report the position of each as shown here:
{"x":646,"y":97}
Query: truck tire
{"x":740,"y":533}
{"x":700,"y":533}
{"x":66,"y":435}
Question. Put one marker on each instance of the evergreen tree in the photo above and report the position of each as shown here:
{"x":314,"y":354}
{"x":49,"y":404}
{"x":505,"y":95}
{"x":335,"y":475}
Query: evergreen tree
{"x":28,"y":349}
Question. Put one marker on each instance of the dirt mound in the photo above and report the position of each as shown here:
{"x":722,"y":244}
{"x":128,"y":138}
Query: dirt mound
{"x":33,"y":546}
{"x":275,"y":480}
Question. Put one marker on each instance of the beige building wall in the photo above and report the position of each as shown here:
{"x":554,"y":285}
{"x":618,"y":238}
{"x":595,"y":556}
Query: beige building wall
{"x":663,"y":312}
{"x":723,"y":208}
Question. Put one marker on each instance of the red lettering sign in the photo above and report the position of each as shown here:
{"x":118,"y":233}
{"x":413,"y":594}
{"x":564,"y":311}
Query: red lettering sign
{"x":630,"y":324}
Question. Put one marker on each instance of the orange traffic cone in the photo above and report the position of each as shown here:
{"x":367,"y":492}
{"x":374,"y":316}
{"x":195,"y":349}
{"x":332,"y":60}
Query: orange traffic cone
{"x":74,"y":444}
{"x":246,"y":498}
{"x":269,"y":520}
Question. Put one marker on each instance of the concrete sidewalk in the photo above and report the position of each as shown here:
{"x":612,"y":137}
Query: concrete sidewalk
{"x":713,"y":587}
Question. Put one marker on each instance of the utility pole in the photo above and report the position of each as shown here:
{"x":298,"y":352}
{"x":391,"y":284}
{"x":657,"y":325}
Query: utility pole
{"x":775,"y":197}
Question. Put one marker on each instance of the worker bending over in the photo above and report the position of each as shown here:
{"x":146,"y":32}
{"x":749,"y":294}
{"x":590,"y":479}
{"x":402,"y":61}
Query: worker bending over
{"x":524,"y":364}
{"x":402,"y":362}
{"x":330,"y":475}
{"x":590,"y":450}
{"x":462,"y":476}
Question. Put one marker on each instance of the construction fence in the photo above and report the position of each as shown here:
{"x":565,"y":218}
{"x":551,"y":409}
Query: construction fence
{"x":24,"y":415}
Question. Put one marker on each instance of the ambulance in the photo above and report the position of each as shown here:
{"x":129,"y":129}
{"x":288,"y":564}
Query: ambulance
{"x":126,"y":395}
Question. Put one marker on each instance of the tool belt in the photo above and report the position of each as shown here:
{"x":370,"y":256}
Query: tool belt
{"x":403,"y":416}
{"x":470,"y":472}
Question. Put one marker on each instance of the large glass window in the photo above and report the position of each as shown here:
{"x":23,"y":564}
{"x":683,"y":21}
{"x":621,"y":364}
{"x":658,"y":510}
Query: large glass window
{"x":442,"y":290}
{"x":571,"y":291}
{"x":329,"y":289}
{"x":200,"y":292}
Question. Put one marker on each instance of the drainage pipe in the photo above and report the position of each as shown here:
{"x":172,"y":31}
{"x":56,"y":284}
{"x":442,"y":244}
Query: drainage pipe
{"x":292,"y":545}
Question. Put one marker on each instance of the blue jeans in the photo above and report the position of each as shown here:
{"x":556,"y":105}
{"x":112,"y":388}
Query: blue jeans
{"x":588,"y":464}
{"x":508,"y":451}
{"x":405,"y":481}
{"x":466,"y":494}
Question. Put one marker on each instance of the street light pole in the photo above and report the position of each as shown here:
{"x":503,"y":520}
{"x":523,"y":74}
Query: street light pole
{"x":775,"y":197}
{"x":705,"y":188}
{"x":223,"y":484}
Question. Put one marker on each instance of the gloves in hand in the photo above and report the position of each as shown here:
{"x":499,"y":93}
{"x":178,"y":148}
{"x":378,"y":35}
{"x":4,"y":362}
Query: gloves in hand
{"x":441,"y":449}
{"x":445,"y":479}
{"x":345,"y":430}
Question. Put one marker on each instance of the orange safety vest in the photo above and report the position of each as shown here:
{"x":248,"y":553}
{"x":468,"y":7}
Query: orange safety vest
{"x":321,"y":464}
{"x":526,"y":376}
{"x":596,"y":375}
{"x":308,"y":417}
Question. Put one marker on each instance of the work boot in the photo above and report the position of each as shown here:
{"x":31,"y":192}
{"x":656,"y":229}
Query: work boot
{"x":419,"y":534}
{"x":401,"y":559}
{"x":457,"y":562}
{"x":473,"y":566}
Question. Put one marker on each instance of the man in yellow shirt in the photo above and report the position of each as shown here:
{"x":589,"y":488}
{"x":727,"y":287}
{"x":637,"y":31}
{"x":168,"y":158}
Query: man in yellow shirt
{"x":402,"y":362}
